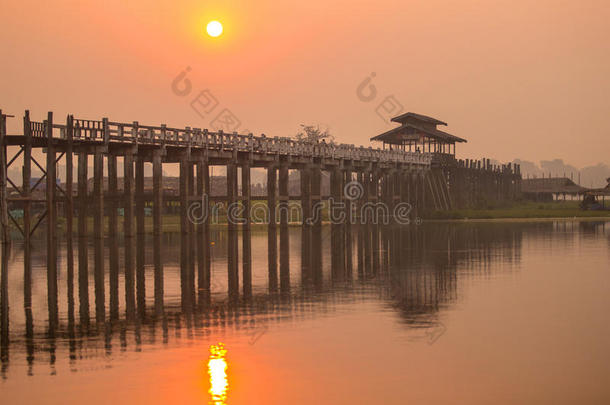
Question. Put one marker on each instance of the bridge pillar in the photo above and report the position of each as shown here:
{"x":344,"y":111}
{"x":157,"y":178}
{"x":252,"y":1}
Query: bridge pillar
{"x":113,"y":233}
{"x":191,"y":241}
{"x":284,"y":211}
{"x":232,"y":259}
{"x":98,"y":234}
{"x":140,"y":238}
{"x":128,"y":202}
{"x":246,"y":234}
{"x":306,"y":226}
{"x":272,"y":227}
{"x":360,"y":226}
{"x":337,"y":236}
{"x":316,"y":231}
{"x":51,"y":219}
{"x":83,"y":238}
{"x":374,"y":196}
{"x":27,"y":204}
{"x":203,"y":232}
{"x":349,"y":208}
{"x":158,"y":230}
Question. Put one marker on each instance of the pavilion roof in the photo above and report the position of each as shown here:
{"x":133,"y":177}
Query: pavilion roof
{"x":407,"y":132}
{"x":411,"y":117}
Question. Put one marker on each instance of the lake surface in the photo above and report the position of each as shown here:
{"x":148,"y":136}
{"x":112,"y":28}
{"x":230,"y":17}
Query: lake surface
{"x":472,"y":313}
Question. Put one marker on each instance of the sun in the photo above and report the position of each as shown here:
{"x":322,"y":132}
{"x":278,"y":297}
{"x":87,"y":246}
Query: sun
{"x":214,"y":29}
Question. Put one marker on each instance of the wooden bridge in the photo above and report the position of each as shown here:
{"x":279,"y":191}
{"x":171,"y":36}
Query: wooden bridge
{"x":381,"y":176}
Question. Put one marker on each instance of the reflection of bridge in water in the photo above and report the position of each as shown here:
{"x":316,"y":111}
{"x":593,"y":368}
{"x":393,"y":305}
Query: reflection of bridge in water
{"x":415,"y":272}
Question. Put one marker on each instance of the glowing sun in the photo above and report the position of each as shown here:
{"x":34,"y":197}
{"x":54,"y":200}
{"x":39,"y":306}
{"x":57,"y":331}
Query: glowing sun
{"x":214,"y":29}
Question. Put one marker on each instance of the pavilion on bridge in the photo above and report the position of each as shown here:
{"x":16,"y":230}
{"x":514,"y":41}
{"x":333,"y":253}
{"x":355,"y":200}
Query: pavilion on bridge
{"x":419,"y":133}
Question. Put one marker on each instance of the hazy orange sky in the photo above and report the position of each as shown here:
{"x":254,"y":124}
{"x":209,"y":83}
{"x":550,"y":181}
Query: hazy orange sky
{"x":518,"y":79}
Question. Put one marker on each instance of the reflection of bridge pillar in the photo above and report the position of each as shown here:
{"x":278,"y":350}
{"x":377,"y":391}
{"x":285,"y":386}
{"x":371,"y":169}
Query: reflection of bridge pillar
{"x":272,"y":227}
{"x":4,"y":319}
{"x":284,"y":235}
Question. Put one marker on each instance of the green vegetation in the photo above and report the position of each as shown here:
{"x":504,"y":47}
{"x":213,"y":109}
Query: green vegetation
{"x":556,"y":209}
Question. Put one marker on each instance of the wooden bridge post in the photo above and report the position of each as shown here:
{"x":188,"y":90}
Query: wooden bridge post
{"x":83,"y":237}
{"x":27,"y":204}
{"x":129,"y":200}
{"x":284,"y":235}
{"x":375,"y":227}
{"x":246,"y":234}
{"x":336,"y":236}
{"x":232,"y":251}
{"x":98,"y":233}
{"x":366,"y":224}
{"x":349,"y":208}
{"x":3,"y":181}
{"x":158,"y":229}
{"x":272,"y":227}
{"x":203,"y":232}
{"x":184,"y":236}
{"x":69,"y":212}
{"x":360,"y":226}
{"x":51,"y":224}
{"x":113,"y":234}
{"x":140,"y":236}
{"x":192,"y":242}
{"x":316,"y":231}
{"x":305,"y":226}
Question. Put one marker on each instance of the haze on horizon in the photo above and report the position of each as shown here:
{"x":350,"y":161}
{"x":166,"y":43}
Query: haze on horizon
{"x":518,"y":79}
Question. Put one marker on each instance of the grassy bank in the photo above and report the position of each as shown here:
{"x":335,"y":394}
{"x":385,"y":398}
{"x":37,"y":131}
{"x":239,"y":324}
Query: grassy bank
{"x":559,"y":209}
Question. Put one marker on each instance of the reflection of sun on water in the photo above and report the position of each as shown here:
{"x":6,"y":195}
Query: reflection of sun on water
{"x":217,"y":372}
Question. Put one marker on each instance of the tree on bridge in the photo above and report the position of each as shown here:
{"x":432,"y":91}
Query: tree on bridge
{"x":314,"y":134}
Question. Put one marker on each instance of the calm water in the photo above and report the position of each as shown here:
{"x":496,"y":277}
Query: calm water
{"x":466,"y":313}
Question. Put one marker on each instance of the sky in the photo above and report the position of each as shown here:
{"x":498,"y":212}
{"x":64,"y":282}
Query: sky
{"x":518,"y":79}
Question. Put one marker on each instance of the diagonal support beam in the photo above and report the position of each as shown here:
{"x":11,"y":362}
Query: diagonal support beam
{"x":15,"y":157}
{"x":38,"y":222}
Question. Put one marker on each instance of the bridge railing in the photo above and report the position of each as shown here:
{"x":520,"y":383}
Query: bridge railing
{"x":109,"y":131}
